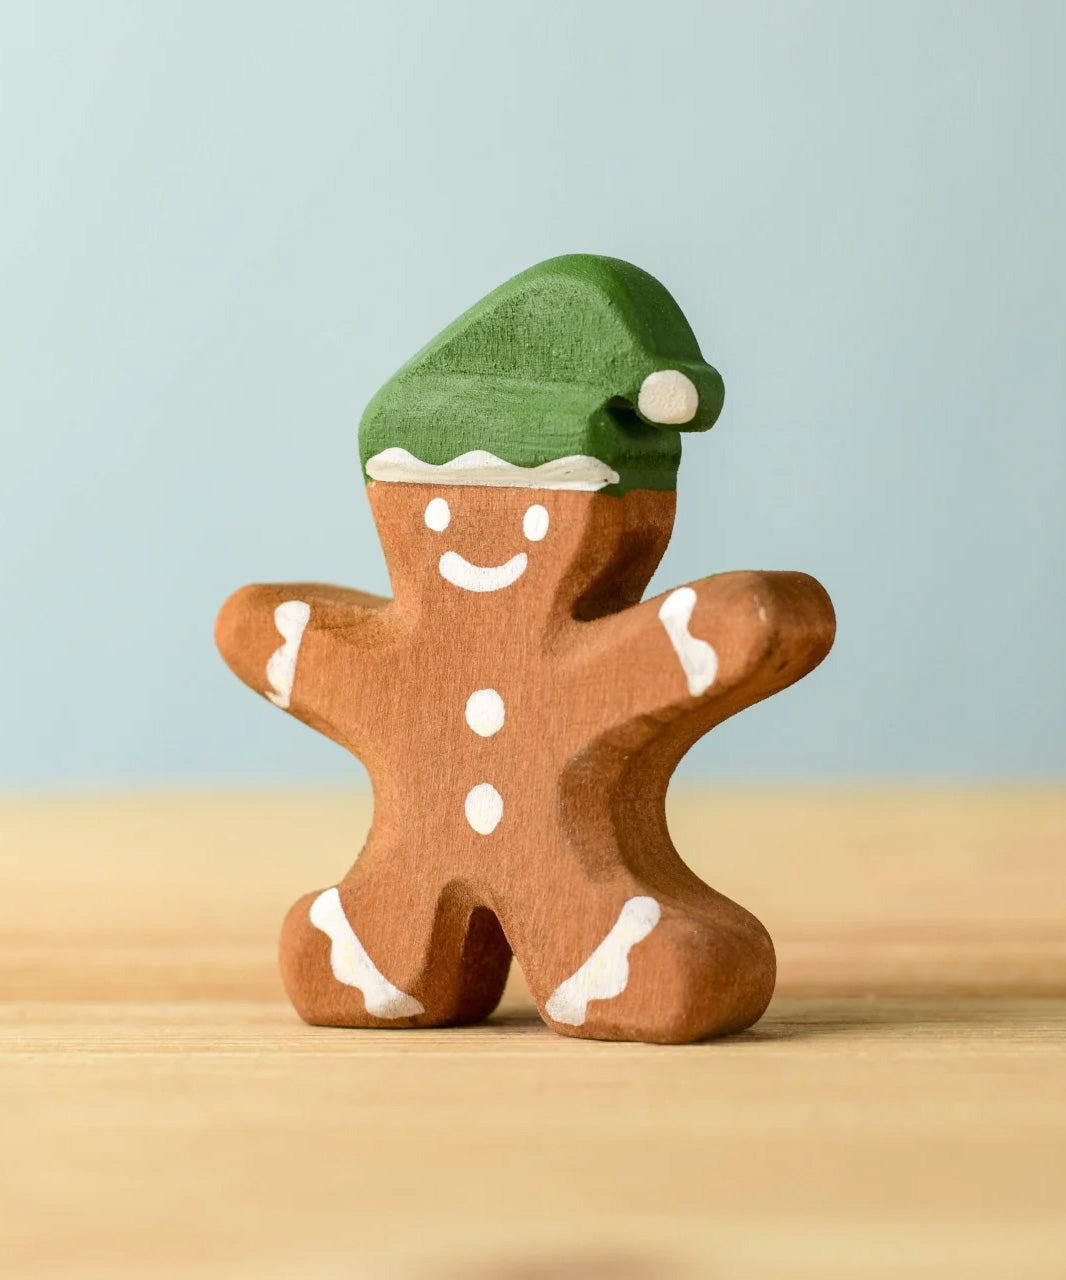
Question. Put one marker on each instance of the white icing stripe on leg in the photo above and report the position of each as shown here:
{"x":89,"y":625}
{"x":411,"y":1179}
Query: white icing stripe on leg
{"x":290,"y":618}
{"x":698,"y":660}
{"x":605,"y":973}
{"x":352,"y":966}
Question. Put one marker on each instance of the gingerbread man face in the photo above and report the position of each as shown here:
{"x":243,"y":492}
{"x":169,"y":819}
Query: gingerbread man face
{"x":533,"y":551}
{"x":518,"y":709}
{"x":488,"y":567}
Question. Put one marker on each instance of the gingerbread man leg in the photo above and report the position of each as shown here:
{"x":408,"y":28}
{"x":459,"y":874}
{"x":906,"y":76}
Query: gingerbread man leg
{"x":383,"y":949}
{"x":625,"y":959}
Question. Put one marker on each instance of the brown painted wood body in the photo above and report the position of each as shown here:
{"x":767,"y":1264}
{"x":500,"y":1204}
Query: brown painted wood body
{"x":596,"y":711}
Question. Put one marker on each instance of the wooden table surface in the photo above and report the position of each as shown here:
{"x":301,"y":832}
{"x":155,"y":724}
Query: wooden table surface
{"x":899,"y":1112}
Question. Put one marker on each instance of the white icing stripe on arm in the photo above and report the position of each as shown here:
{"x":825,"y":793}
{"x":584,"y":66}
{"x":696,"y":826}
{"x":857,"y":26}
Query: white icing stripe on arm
{"x":698,"y":660}
{"x":605,"y":973}
{"x":478,"y":466}
{"x":291,"y":619}
{"x":352,"y":966}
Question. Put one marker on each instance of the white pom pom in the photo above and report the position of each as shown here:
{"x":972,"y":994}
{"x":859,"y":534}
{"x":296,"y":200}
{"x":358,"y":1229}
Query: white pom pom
{"x":668,"y":397}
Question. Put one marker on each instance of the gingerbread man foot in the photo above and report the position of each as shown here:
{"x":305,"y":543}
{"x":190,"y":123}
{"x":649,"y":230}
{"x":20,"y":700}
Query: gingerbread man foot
{"x":449,"y":968}
{"x":518,"y":708}
{"x":664,"y":972}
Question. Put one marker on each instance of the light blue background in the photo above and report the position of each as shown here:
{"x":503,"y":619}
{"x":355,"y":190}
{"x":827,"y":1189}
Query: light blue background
{"x":222,"y":226}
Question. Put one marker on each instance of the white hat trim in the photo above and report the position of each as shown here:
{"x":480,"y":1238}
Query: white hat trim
{"x":578,"y":471}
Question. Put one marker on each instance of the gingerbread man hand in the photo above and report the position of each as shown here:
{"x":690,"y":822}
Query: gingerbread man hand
{"x":518,"y":709}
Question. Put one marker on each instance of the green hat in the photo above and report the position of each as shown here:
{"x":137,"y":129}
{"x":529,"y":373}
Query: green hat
{"x":577,"y":374}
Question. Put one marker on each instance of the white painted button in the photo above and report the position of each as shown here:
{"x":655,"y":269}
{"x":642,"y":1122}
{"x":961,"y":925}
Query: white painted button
{"x":485,"y":712}
{"x":535,"y":522}
{"x":484,"y":808}
{"x":668,"y":397}
{"x":438,"y":515}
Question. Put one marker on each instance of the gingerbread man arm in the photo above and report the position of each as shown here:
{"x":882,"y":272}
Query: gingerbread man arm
{"x":320,"y":652}
{"x":730,"y":640}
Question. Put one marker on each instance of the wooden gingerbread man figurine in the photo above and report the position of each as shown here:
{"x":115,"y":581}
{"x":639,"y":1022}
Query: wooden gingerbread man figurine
{"x":518,"y":709}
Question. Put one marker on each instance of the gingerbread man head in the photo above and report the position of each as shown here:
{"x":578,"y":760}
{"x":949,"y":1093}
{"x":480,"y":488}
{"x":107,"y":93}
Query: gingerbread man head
{"x":575,"y":378}
{"x":517,"y":707}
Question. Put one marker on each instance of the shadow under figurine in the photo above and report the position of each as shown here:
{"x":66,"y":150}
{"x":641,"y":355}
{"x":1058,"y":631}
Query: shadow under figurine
{"x":519,"y":711}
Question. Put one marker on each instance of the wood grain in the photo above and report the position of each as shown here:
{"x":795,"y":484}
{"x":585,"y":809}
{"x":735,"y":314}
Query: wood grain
{"x":163,"y":1112}
{"x":870,"y":891}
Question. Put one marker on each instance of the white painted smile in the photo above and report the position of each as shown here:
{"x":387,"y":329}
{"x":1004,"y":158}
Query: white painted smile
{"x":479,"y":577}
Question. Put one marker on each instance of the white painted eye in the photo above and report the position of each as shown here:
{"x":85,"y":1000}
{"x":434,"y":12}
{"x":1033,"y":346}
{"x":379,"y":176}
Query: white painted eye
{"x":535,"y":522}
{"x":668,"y":397}
{"x":438,"y":515}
